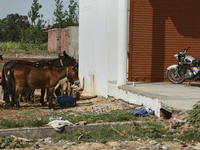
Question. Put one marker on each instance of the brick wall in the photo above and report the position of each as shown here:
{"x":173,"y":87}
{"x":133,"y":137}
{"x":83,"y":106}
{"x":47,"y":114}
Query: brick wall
{"x":64,"y":40}
{"x":54,"y":40}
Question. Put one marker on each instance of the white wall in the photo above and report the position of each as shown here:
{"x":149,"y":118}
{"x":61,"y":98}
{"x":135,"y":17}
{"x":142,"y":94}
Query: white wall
{"x":73,"y":41}
{"x":98,"y":38}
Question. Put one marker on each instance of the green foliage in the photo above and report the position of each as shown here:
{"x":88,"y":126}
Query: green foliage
{"x":16,"y":28}
{"x":37,"y":122}
{"x":72,"y":17}
{"x":194,"y":115}
{"x":65,"y":18}
{"x":11,"y":26}
{"x":34,"y":12}
{"x":124,"y":115}
{"x":13,"y":47}
{"x":144,"y":131}
{"x":34,"y":34}
{"x":58,"y":13}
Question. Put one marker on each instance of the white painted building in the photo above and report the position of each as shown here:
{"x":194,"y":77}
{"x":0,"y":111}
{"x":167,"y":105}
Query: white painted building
{"x":103,"y":46}
{"x":103,"y":43}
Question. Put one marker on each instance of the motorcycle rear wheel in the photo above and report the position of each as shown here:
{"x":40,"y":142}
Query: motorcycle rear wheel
{"x":175,"y":76}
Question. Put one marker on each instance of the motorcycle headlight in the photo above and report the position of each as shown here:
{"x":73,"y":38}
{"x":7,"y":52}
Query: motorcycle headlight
{"x":176,"y":55}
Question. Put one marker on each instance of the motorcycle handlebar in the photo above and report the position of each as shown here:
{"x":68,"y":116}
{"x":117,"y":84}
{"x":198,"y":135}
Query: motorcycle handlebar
{"x":186,"y":49}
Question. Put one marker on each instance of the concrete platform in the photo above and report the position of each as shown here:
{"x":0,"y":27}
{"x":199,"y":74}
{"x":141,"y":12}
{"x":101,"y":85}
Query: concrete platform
{"x":159,"y":95}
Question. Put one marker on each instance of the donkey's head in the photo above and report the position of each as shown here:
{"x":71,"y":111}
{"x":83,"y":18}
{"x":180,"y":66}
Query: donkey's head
{"x":67,"y":60}
{"x":73,"y":74}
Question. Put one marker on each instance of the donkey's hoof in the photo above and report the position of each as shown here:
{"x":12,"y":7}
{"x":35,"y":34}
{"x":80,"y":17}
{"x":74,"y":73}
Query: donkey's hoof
{"x":18,"y":106}
{"x":44,"y":104}
{"x":6,"y":105}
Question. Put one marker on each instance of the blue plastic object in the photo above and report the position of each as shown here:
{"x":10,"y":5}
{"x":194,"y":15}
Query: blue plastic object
{"x":142,"y":113}
{"x":66,"y":101}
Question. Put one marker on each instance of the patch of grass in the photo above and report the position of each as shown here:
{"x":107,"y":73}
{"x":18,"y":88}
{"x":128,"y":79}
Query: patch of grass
{"x":192,"y":134}
{"x":148,"y":130}
{"x":37,"y":122}
{"x":121,"y":132}
{"x":25,"y":48}
{"x":113,"y":116}
{"x":194,"y":115}
{"x":39,"y":118}
{"x":31,"y":112}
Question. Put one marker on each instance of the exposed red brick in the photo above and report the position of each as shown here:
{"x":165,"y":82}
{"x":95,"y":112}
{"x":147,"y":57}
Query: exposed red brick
{"x":175,"y":111}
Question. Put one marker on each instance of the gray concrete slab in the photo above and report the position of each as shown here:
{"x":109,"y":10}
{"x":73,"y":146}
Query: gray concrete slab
{"x":177,"y":96}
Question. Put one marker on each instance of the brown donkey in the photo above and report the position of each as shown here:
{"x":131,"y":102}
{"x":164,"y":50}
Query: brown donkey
{"x":38,"y":78}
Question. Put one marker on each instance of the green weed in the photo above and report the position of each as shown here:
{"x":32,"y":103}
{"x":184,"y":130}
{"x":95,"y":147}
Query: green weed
{"x":194,"y":115}
{"x":26,"y":48}
{"x":37,"y":122}
{"x":148,"y":130}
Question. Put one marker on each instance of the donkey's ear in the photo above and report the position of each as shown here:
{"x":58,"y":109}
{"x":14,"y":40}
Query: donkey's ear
{"x":65,"y":54}
{"x":75,"y":67}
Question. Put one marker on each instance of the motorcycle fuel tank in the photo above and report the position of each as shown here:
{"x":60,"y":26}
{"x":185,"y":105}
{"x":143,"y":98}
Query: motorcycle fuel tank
{"x":189,"y":58}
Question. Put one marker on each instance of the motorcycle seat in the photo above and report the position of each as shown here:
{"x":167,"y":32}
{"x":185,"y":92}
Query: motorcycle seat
{"x":196,"y":62}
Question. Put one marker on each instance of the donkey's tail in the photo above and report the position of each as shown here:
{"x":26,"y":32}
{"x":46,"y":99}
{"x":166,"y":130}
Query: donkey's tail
{"x":11,"y":81}
{"x":3,"y":78}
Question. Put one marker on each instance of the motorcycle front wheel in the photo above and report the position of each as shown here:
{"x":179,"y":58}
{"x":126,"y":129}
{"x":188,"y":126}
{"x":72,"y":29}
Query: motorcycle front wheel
{"x":175,"y":76}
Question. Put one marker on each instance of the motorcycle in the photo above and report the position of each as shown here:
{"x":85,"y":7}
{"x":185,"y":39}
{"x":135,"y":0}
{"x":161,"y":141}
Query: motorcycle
{"x":187,"y":69}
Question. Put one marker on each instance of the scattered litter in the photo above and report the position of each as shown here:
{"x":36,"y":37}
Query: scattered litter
{"x":80,"y":137}
{"x":59,"y":124}
{"x":37,"y":146}
{"x":174,"y":119}
{"x":184,"y":145}
{"x":51,"y":118}
{"x":164,"y":147}
{"x":143,"y":112}
{"x":48,"y":139}
{"x":19,"y":138}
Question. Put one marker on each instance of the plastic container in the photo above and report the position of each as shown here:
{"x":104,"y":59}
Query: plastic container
{"x":66,"y":101}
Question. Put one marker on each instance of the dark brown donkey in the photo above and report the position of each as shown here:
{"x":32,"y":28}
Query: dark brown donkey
{"x":64,"y":60}
{"x":38,"y":78}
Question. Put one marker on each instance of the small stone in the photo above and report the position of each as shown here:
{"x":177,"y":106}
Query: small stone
{"x":82,"y":123}
{"x":153,"y":142}
{"x":104,"y":141}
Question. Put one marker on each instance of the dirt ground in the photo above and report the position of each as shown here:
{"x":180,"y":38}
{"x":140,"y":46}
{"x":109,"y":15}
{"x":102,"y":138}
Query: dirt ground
{"x":85,"y":104}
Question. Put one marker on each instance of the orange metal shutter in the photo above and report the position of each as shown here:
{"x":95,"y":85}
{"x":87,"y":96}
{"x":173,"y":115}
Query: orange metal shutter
{"x":158,"y":30}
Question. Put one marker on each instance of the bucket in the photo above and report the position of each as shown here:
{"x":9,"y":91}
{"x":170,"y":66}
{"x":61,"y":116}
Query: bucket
{"x":66,"y":101}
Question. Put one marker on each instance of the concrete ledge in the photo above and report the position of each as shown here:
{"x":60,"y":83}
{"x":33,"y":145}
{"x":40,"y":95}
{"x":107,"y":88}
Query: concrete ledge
{"x":44,"y":132}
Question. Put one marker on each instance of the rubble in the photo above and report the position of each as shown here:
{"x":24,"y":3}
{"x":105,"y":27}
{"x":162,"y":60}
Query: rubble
{"x":98,"y":110}
{"x":12,"y":142}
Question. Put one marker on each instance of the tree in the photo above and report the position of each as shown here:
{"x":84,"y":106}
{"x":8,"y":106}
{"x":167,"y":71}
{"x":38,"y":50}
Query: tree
{"x":12,"y":25}
{"x":66,"y":18}
{"x":35,"y":34}
{"x":58,"y":13}
{"x":72,"y":16}
{"x":34,"y":12}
